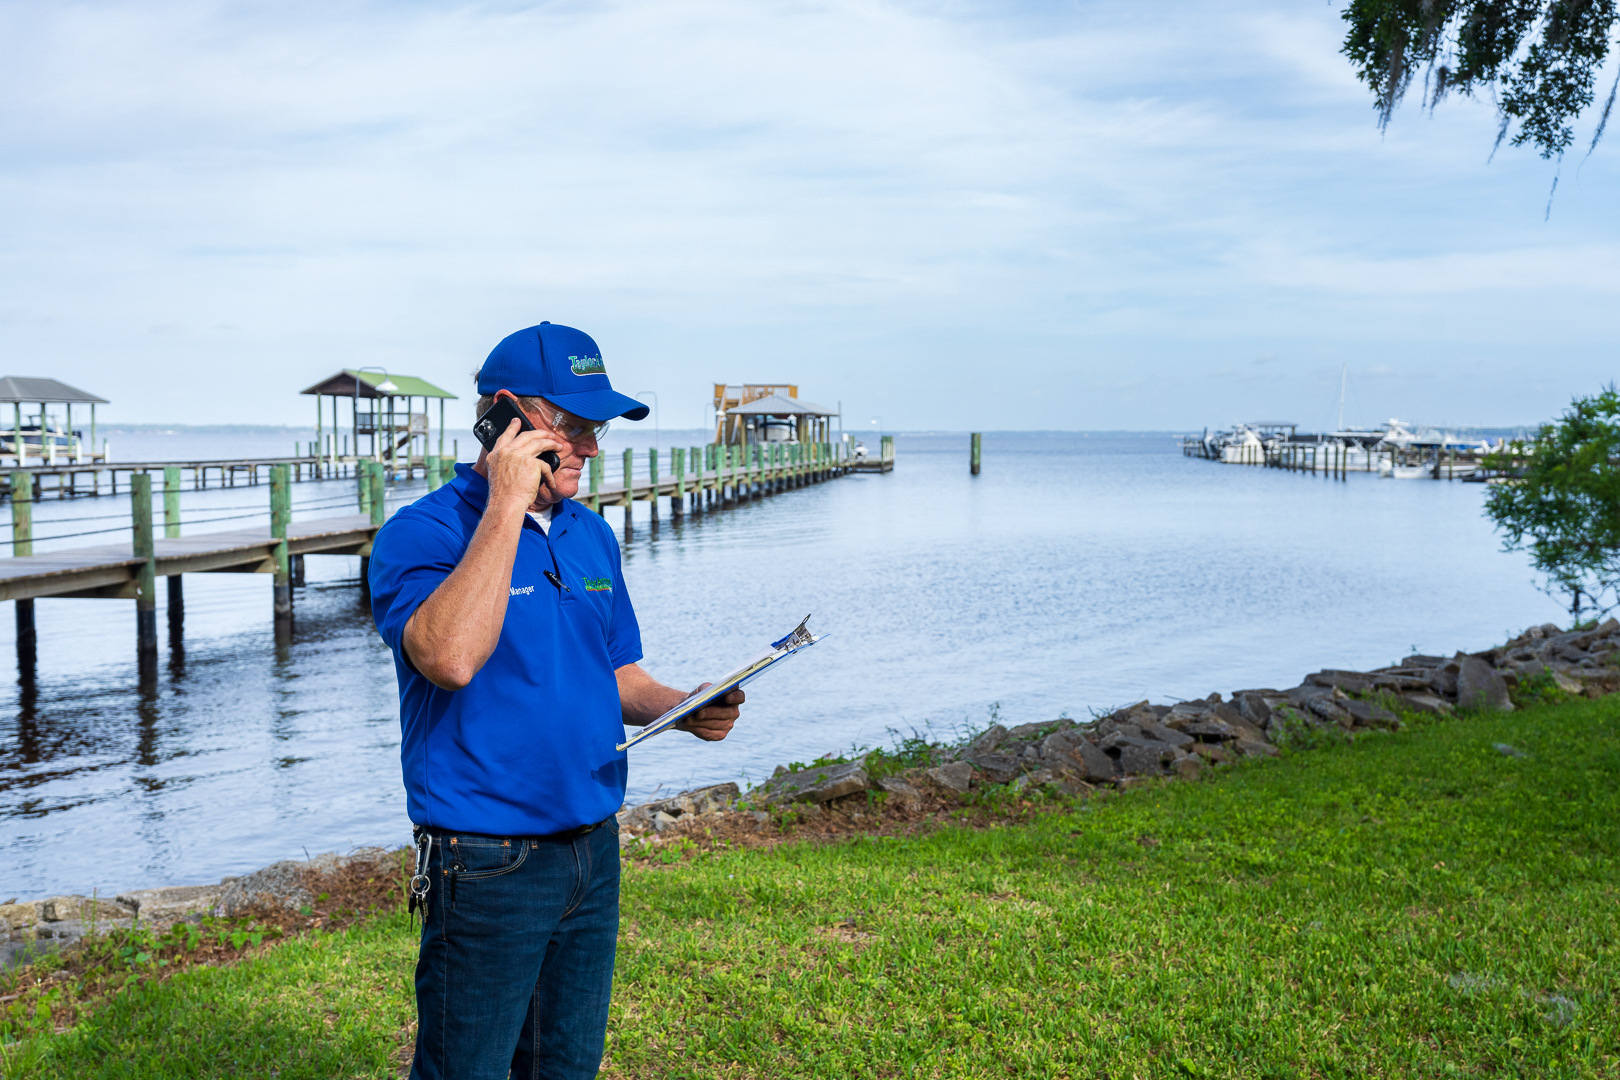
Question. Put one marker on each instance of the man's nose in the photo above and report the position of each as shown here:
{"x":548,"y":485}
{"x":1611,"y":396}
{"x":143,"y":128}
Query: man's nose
{"x":587,"y":447}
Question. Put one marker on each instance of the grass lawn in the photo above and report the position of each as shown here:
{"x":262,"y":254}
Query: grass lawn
{"x":1415,"y":904}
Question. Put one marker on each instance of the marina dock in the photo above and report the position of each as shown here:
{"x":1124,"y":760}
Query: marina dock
{"x":1395,"y":451}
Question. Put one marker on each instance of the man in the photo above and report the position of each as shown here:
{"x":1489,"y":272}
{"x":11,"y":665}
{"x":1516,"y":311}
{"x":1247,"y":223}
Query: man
{"x":516,"y":649}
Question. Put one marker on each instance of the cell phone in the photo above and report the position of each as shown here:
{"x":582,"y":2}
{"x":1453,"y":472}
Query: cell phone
{"x":493,"y":424}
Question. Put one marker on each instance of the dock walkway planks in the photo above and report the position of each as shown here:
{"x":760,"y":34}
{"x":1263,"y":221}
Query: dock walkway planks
{"x":110,"y":571}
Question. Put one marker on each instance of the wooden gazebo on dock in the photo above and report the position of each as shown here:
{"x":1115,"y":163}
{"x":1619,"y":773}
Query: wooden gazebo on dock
{"x":768,"y":412}
{"x":20,"y":390}
{"x":387,"y":432}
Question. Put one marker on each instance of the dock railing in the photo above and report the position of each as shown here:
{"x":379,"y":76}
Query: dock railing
{"x":275,"y":536}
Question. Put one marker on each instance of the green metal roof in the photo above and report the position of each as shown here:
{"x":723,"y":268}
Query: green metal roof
{"x":350,"y":383}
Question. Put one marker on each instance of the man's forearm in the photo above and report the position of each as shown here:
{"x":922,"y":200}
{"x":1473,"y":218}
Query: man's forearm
{"x":642,"y":698}
{"x":455,"y":630}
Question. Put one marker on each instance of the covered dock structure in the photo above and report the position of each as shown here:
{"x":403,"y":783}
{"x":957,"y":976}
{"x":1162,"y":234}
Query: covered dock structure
{"x":35,"y":436}
{"x":398,"y":438}
{"x":769,"y":413}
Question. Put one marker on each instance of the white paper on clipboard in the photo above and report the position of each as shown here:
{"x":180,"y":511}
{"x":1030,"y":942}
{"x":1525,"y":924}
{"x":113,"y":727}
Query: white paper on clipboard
{"x":796,"y":641}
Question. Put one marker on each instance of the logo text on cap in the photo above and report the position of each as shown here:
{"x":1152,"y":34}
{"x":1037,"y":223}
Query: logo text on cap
{"x":586,"y":365}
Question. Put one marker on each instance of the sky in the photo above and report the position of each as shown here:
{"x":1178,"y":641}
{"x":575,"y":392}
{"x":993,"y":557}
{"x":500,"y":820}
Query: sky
{"x":938,"y":215}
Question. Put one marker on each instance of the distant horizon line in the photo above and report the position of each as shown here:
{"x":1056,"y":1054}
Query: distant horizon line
{"x":288,"y":429}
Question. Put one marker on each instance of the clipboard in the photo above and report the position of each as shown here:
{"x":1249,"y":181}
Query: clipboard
{"x":795,"y":642}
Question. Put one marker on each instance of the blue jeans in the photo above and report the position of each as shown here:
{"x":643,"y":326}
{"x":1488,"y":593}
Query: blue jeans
{"x":516,"y":963}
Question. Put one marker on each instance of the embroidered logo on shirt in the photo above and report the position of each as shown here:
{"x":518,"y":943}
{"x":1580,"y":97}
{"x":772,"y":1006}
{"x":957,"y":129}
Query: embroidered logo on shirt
{"x":598,"y":584}
{"x":523,"y":590}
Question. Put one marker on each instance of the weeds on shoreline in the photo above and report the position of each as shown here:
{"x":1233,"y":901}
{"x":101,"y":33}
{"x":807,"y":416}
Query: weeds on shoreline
{"x":52,"y":993}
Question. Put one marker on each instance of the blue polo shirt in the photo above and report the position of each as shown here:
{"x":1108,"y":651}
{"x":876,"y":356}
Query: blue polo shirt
{"x":527,"y":747}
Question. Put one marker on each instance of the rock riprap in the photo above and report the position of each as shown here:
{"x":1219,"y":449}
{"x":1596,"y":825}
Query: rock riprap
{"x":1182,"y":740}
{"x":1140,"y":741}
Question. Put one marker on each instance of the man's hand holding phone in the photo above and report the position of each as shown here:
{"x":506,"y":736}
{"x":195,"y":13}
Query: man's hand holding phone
{"x":522,"y":460}
{"x":517,"y":473}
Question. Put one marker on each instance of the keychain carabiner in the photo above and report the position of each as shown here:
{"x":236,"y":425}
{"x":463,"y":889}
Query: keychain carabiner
{"x":420,"y":882}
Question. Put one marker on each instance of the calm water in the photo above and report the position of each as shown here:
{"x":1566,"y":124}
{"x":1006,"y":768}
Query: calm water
{"x":1078,"y":572}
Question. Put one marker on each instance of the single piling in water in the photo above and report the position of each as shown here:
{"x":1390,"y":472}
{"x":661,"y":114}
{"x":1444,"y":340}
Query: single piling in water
{"x":280,"y":518}
{"x":171,"y":531}
{"x":22,"y":543}
{"x":974,"y":453}
{"x":144,"y":548}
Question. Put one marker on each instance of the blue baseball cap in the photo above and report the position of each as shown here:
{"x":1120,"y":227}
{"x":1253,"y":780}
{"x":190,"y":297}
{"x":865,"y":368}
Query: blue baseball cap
{"x":562,"y":365}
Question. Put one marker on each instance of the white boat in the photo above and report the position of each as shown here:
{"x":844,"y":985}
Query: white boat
{"x":1241,"y":446}
{"x":1405,"y":472}
{"x":33,"y":439}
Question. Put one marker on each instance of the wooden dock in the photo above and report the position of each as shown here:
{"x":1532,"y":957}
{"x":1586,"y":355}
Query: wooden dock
{"x":68,"y":479}
{"x":717,"y":475}
{"x":112,"y":571}
{"x":703,"y":478}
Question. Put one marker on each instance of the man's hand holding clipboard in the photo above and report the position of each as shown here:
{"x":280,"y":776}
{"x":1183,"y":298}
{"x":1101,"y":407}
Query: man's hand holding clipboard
{"x":711,"y":693}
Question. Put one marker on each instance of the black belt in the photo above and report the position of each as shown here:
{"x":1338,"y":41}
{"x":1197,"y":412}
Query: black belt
{"x":564,"y":837}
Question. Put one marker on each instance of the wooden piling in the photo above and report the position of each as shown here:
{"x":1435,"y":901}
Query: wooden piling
{"x":594,"y":499}
{"x":22,"y":537}
{"x":677,"y":501}
{"x":144,"y":548}
{"x":698,"y":456}
{"x":973,"y":454}
{"x":171,"y":531}
{"x":362,"y":477}
{"x":627,"y":497}
{"x":652,"y":471}
{"x":378,"y":504}
{"x":280,"y":518}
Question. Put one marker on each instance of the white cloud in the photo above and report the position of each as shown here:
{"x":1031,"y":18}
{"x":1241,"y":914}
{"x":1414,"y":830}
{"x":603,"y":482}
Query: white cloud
{"x":731,"y":190}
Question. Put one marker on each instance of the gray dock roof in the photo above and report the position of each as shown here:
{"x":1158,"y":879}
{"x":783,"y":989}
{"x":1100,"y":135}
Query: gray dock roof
{"x":777,"y":405}
{"x":22,"y":389}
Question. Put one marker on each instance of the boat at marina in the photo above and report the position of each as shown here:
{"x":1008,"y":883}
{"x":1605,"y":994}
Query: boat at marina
{"x":1397,"y":450}
{"x":36,"y":436}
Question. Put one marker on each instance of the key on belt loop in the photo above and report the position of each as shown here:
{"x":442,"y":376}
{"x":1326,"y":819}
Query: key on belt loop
{"x":420,"y":882}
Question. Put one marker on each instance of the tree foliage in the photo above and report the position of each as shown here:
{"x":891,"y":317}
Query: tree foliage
{"x":1563,"y":503}
{"x":1539,"y":59}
